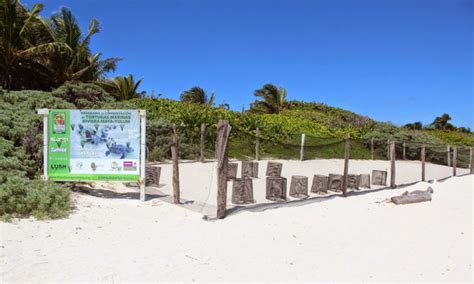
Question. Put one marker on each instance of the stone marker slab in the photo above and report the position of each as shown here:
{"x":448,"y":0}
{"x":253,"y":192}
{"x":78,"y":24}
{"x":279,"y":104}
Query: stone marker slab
{"x":353,"y":181}
{"x":249,"y":169}
{"x":276,"y":189}
{"x":320,"y":184}
{"x":242,"y":191}
{"x":379,"y":177}
{"x":299,"y":186}
{"x":274,"y":169}
{"x":232,"y":171}
{"x":365,"y":180}
{"x":335,"y":182}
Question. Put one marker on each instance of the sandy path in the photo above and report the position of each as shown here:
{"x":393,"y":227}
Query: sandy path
{"x":342,"y":239}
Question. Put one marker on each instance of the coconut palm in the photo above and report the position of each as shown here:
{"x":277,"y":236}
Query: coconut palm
{"x":38,"y":53}
{"x":197,"y":95}
{"x":122,"y":88}
{"x":79,"y":64}
{"x":272,"y":99}
{"x":23,"y":49}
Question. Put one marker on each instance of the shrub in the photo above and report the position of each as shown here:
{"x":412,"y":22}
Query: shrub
{"x":21,"y":197}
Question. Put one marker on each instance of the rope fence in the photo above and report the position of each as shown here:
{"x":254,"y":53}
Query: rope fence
{"x":310,"y":166}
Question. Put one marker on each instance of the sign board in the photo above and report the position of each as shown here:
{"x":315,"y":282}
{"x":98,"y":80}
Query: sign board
{"x":93,"y":145}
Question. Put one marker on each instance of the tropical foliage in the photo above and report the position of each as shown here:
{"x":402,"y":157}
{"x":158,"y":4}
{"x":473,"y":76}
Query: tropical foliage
{"x":122,"y":88}
{"x":197,"y":95}
{"x":271,"y":99}
{"x":39,"y":53}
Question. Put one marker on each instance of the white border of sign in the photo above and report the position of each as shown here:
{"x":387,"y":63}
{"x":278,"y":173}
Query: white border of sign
{"x":45,"y":113}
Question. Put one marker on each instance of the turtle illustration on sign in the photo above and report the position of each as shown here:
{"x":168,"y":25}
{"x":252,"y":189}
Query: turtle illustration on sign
{"x":118,"y":149}
{"x":90,"y":135}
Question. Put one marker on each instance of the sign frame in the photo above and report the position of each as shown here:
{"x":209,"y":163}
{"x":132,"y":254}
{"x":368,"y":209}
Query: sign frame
{"x":142,"y":156}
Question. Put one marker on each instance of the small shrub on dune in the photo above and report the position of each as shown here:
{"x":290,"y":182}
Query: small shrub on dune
{"x":21,"y":197}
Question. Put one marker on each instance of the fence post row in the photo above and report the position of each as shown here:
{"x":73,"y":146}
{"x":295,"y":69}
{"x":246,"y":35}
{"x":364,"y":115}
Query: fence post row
{"x":347,"y":149}
{"x":174,"y":157}
{"x":222,"y":152}
{"x":392,"y":165}
{"x":257,"y":144}
{"x":203,"y":143}
{"x":302,"y":147}
{"x":423,"y":153}
{"x":455,"y":158}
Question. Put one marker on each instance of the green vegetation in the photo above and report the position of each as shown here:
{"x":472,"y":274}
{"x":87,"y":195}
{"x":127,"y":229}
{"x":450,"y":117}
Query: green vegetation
{"x":197,"y":95}
{"x":39,"y":53}
{"x":271,"y":99}
{"x":122,"y":88}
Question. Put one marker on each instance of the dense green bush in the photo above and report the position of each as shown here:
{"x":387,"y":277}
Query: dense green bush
{"x":21,"y":197}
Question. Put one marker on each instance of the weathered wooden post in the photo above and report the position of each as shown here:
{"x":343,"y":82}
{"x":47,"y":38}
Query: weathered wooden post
{"x":388,"y":149}
{"x":347,"y":149}
{"x":423,"y":154}
{"x":222,"y":152}
{"x":302,"y":147}
{"x":372,"y":151}
{"x":448,"y":150}
{"x":471,"y":161}
{"x":257,"y":144}
{"x":392,"y":165}
{"x":404,"y":151}
{"x":175,"y":157}
{"x":455,"y":160}
{"x":203,"y":143}
{"x":299,"y":186}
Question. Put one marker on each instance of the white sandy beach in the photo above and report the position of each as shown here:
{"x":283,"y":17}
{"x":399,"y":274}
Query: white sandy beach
{"x":359,"y":238}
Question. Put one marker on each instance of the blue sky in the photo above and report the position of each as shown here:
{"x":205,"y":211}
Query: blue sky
{"x":398,"y":61}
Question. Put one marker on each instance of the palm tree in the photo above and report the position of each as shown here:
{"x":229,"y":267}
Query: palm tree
{"x":36,"y":53}
{"x":273,"y":99}
{"x":79,"y":64}
{"x":122,"y":88}
{"x":23,"y":49}
{"x":197,"y":95}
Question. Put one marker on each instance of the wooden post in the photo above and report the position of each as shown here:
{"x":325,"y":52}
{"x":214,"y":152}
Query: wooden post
{"x":257,"y":144}
{"x":455,"y":158}
{"x":423,"y":153}
{"x":471,"y":163}
{"x":388,"y":149}
{"x":404,"y":151}
{"x":449,"y":155}
{"x":222,"y":152}
{"x":203,"y":143}
{"x":392,"y":165}
{"x":174,"y":157}
{"x":347,"y":149}
{"x":372,"y":154}
{"x":302,"y":147}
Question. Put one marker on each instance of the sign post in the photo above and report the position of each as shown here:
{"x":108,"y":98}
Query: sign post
{"x":142,"y":153}
{"x":45,"y":113}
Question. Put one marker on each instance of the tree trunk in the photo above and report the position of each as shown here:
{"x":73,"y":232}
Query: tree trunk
{"x":299,"y":186}
{"x":408,"y":198}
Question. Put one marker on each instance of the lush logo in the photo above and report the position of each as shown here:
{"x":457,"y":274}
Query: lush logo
{"x":58,"y":166}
